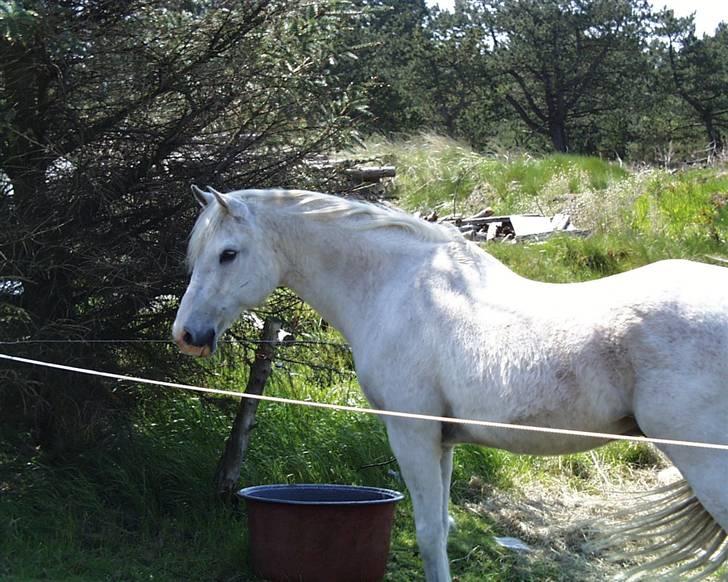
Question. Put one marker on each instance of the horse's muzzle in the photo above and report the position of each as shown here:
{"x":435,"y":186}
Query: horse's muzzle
{"x":196,"y":343}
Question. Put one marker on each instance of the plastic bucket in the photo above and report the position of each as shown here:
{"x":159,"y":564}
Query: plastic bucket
{"x":319,"y":533}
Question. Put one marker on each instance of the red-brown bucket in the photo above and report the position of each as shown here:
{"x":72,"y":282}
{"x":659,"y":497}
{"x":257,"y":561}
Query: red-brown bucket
{"x":319,"y":533}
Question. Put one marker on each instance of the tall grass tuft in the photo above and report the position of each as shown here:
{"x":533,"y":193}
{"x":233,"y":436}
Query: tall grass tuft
{"x":441,"y":174}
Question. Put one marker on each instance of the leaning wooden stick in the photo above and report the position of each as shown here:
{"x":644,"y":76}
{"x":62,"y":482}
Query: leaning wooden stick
{"x":228,"y":468}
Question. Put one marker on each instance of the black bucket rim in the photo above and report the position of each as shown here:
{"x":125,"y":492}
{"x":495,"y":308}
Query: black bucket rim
{"x":380,"y":494}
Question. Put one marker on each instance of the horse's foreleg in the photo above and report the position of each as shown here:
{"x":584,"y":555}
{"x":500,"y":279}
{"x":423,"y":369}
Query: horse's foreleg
{"x":423,"y":462}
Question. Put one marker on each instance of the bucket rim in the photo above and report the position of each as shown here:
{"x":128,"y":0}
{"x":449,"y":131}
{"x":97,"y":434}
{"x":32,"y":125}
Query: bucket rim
{"x":253,"y":493}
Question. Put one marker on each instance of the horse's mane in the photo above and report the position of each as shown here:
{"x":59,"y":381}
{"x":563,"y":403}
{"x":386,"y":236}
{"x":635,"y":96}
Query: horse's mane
{"x":355,"y":214}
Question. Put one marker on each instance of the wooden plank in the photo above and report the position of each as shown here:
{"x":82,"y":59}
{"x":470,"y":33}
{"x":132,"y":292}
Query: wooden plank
{"x":530,"y":225}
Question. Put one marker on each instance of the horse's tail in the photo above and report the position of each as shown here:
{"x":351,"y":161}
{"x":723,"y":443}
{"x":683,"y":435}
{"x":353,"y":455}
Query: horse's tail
{"x":674,"y":531}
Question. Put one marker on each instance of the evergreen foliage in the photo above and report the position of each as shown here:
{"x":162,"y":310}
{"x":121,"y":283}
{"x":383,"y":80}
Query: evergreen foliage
{"x":599,"y":77}
{"x":108,"y":112}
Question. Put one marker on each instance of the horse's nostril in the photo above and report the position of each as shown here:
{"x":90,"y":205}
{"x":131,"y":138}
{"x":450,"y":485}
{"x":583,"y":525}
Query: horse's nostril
{"x":208,"y":339}
{"x":199,"y":338}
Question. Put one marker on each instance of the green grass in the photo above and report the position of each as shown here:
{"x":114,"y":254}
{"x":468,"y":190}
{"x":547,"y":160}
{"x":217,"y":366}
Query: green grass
{"x":139,"y":505}
{"x":691,"y":205}
{"x":136,"y":508}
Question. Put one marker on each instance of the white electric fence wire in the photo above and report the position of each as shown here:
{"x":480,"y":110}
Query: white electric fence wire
{"x":345,"y":408}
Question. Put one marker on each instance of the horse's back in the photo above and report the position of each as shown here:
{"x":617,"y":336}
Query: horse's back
{"x":678,"y":280}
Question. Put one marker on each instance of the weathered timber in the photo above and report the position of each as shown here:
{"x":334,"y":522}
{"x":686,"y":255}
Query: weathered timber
{"x":488,"y":211}
{"x":524,"y":225}
{"x":483,"y":221}
{"x":371,"y":173}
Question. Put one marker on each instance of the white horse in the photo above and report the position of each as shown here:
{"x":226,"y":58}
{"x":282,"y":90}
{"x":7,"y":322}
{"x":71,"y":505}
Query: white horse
{"x":439,"y":327}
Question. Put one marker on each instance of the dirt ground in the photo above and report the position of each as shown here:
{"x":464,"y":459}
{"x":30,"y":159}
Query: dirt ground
{"x":558,"y":521}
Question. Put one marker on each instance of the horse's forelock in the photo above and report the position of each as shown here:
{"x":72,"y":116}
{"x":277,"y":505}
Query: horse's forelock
{"x":205,"y":228}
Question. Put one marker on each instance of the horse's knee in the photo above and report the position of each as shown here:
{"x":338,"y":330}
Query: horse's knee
{"x":430,"y":533}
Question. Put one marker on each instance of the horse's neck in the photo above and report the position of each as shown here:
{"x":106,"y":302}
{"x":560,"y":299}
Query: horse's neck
{"x":341,"y":272}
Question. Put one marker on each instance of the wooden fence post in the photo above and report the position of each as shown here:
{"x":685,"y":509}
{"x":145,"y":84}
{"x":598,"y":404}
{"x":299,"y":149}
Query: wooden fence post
{"x":227,"y":473}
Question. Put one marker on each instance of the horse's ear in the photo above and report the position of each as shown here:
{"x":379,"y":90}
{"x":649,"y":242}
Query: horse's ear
{"x":203,"y":198}
{"x":220,"y":197}
{"x":232,"y":205}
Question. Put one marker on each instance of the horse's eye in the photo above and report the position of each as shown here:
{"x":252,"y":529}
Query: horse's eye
{"x":227,"y":255}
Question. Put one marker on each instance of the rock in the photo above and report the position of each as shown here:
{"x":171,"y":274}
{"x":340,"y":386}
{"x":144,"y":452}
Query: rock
{"x":512,"y":544}
{"x":669,"y":475}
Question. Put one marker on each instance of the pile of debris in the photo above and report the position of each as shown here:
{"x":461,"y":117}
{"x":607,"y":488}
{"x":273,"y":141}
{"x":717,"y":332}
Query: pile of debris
{"x":373,"y":179}
{"x":485,"y":227}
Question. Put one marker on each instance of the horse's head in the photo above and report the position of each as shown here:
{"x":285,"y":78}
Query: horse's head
{"x":232,"y":266}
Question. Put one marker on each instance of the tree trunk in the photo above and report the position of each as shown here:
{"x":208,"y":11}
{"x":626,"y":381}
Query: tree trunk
{"x":228,"y":468}
{"x":714,"y":137}
{"x":557,"y":133}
